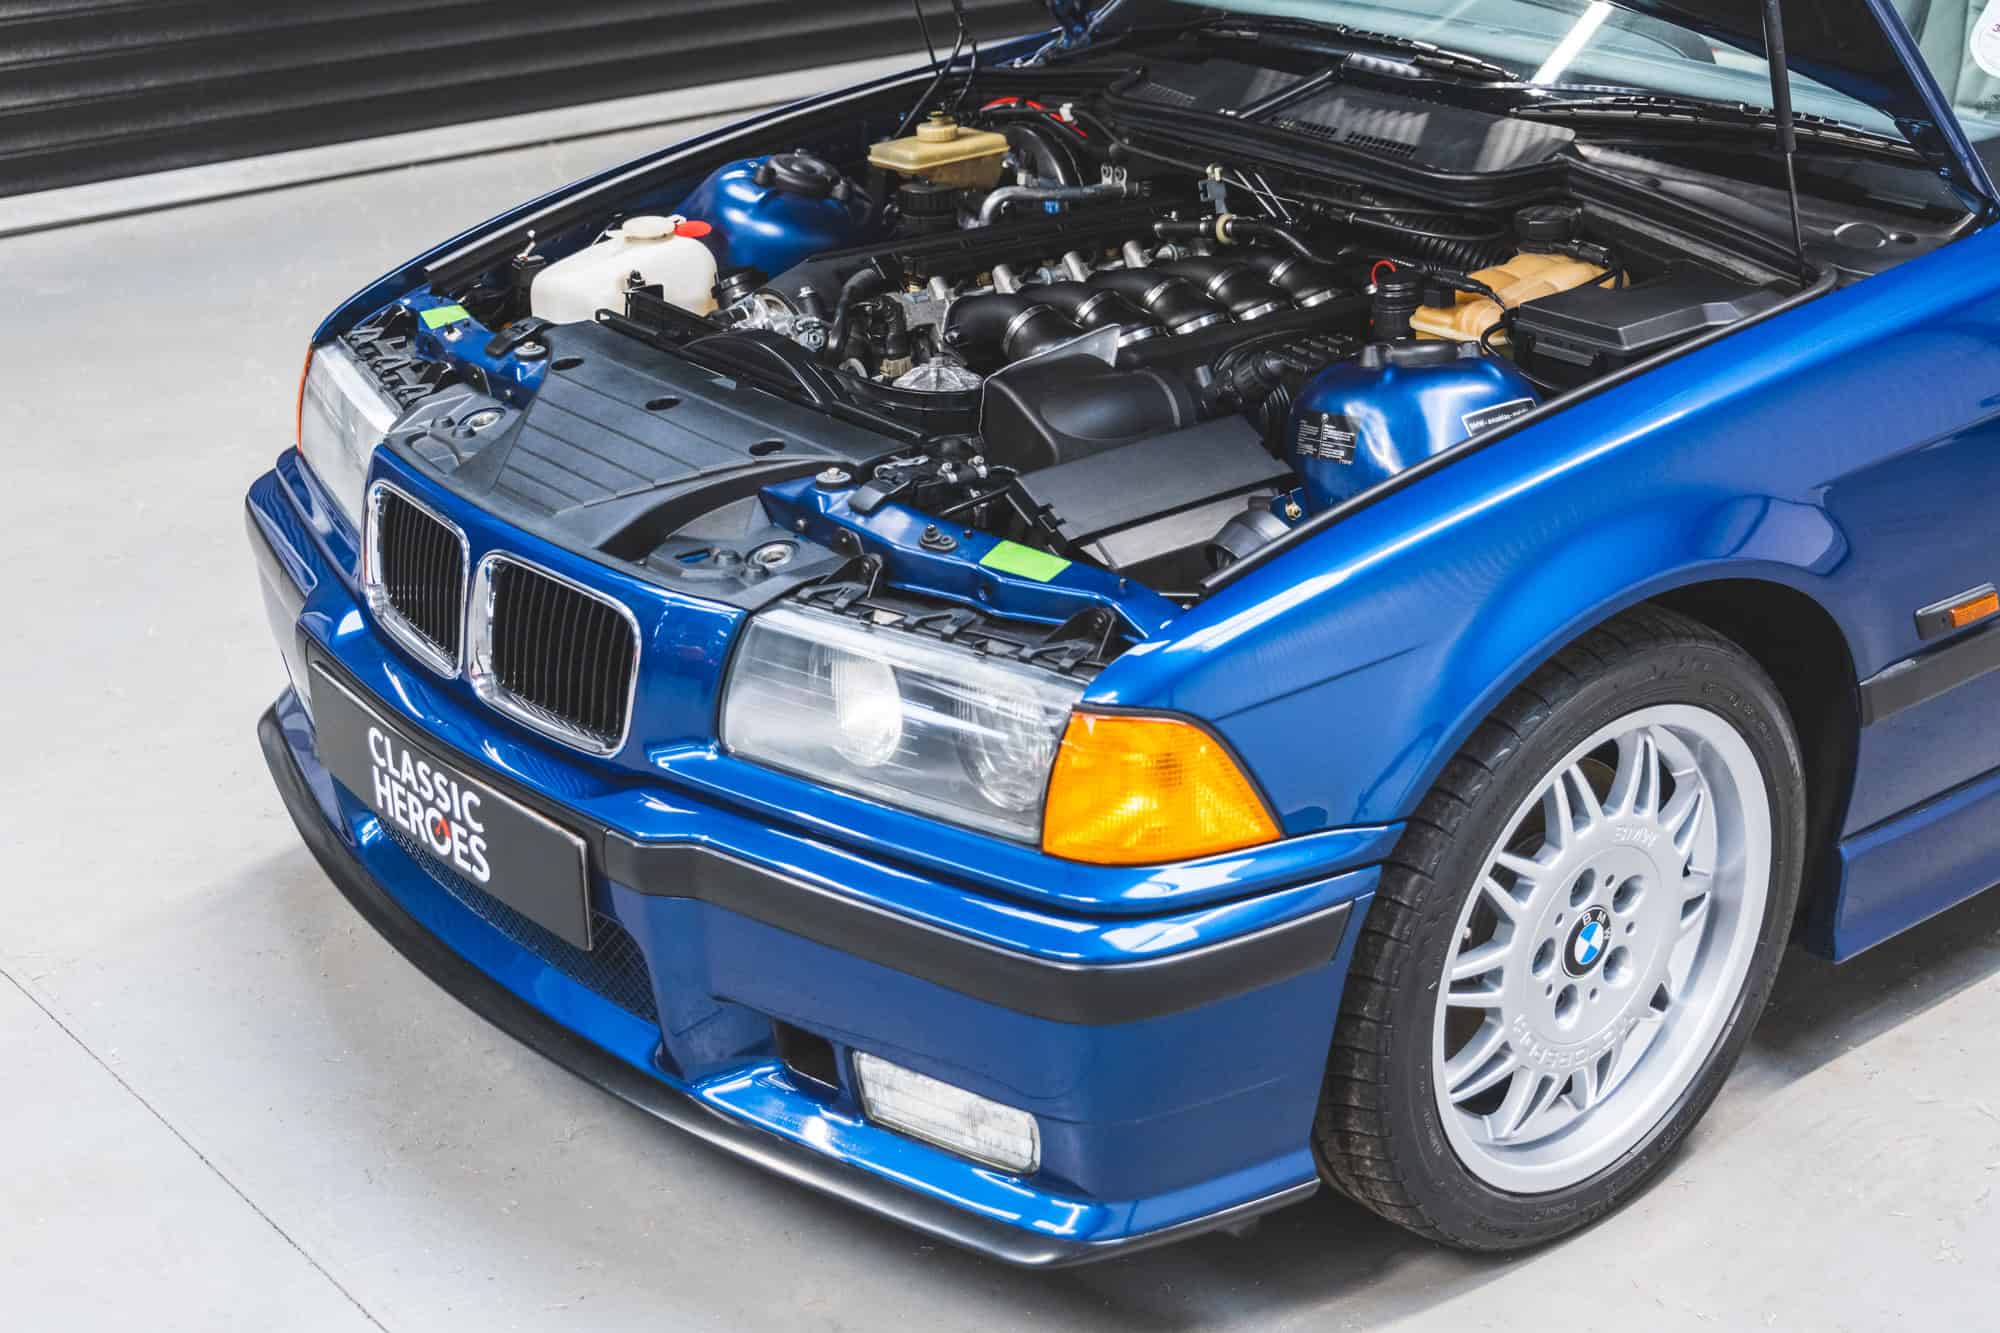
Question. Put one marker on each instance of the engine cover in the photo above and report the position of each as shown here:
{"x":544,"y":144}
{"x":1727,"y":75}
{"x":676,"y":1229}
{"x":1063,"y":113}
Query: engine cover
{"x":622,"y":441}
{"x":1140,"y":507}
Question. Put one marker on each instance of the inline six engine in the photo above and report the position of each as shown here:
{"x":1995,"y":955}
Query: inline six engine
{"x":1027,"y":326}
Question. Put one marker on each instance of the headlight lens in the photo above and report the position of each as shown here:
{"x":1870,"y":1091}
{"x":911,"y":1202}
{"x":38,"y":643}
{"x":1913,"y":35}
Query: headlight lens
{"x":867,"y":706}
{"x":342,"y":417}
{"x":889,"y":714}
{"x":1008,"y":748}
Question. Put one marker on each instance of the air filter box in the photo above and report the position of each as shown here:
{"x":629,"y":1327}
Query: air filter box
{"x":1577,"y":336}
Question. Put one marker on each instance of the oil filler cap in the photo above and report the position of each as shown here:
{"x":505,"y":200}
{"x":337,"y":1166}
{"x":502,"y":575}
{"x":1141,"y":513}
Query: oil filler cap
{"x":801,"y":174}
{"x":1544,"y":228}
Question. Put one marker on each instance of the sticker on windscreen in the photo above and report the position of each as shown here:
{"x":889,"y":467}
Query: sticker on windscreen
{"x":1486,"y":418}
{"x":1986,"y":41}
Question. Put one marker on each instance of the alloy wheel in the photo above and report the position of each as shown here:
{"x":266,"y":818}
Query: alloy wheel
{"x":1602,"y":949}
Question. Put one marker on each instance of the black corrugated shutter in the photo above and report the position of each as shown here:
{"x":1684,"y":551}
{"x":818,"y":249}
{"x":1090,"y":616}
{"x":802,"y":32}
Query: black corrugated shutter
{"x":91,"y":89}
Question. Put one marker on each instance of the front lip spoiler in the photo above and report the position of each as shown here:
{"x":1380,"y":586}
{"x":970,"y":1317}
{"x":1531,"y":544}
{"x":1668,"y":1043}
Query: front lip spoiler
{"x":542,"y":1034}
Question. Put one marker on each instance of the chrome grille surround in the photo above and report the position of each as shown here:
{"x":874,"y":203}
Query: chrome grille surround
{"x":380,"y":580}
{"x":510,"y":687}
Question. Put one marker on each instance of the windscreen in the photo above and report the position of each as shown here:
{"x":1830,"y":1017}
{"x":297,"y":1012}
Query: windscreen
{"x":1581,"y":45}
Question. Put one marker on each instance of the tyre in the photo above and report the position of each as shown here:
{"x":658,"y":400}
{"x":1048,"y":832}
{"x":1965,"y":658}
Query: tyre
{"x":1571,"y":943}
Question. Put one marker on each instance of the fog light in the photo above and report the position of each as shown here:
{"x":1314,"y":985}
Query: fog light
{"x":952,"y":1118}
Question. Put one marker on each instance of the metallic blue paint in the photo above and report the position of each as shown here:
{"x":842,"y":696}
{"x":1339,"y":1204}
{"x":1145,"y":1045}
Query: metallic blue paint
{"x":1358,"y":423}
{"x":761,"y":227}
{"x":685,"y":642}
{"x":896,"y":531}
{"x":1145,"y":1125}
{"x":1913,"y":866}
{"x":462,"y":345}
{"x":1844,"y":450}
{"x":1819,"y":450}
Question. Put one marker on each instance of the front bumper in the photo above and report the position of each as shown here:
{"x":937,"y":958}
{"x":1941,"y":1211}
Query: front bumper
{"x":283,"y":733}
{"x":1175,"y":1093}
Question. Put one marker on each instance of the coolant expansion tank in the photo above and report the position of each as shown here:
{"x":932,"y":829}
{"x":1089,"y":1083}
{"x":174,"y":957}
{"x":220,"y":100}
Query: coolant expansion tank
{"x":1362,"y":421}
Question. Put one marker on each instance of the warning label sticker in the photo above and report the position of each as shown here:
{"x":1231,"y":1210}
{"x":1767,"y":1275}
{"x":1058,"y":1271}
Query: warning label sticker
{"x":1486,"y":418}
{"x":1327,"y":437}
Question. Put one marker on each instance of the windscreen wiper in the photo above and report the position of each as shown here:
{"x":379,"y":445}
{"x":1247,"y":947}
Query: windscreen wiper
{"x":1423,"y":59}
{"x":1645,"y":108}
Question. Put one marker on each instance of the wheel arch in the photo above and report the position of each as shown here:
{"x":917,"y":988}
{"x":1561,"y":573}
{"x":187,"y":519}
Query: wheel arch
{"x":1802,"y":648}
{"x":1800,"y":645}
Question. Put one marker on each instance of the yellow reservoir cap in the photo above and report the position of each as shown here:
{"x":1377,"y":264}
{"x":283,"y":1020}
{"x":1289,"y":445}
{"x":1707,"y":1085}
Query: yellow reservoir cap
{"x":1146,"y":790}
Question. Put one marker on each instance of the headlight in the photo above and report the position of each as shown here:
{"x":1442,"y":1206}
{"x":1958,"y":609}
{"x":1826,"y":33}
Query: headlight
{"x":916,"y":723}
{"x":342,"y":417}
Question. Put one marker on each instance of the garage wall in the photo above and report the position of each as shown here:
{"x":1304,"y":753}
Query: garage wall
{"x":91,"y":89}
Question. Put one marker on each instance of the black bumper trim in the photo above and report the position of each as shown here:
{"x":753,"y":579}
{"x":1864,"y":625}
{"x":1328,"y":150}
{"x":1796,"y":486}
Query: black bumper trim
{"x":1917,"y":680}
{"x":1061,"y":992}
{"x":1092,"y":994}
{"x":536,"y":1030}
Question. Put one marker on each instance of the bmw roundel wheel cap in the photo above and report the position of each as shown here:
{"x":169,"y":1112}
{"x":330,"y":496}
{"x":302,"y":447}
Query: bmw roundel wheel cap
{"x":1587,"y":942}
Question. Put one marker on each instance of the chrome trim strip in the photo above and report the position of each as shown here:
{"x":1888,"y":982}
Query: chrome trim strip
{"x":376,"y":595}
{"x":485,"y":681}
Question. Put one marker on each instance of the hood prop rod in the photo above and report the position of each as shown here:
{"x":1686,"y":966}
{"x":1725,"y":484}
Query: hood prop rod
{"x":1788,"y":135}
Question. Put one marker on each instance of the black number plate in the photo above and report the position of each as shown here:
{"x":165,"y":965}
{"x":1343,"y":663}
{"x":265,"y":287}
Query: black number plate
{"x":529,"y":863}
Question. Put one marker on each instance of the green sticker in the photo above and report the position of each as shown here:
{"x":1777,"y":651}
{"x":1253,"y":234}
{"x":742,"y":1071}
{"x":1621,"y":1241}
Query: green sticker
{"x":1014,"y":558}
{"x":439,"y":316}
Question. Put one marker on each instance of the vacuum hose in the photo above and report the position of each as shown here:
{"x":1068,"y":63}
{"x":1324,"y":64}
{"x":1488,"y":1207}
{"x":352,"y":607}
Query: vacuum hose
{"x":857,"y":288}
{"x":998,"y":200}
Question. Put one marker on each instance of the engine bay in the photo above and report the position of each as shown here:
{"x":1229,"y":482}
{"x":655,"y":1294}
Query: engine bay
{"x":1034,"y":319}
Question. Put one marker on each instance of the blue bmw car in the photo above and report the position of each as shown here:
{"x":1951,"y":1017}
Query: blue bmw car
{"x":1075,"y":644}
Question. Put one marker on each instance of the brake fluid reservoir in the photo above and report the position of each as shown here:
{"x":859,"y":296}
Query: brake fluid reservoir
{"x":1362,"y":421}
{"x":945,"y":153}
{"x":643,"y":252}
{"x":1525,"y":277}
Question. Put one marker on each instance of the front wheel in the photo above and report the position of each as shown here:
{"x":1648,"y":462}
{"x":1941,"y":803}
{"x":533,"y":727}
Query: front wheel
{"x":1571,"y":943}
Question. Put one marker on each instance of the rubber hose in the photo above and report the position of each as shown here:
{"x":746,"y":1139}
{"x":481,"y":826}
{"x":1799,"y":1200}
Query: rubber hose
{"x":999,"y":199}
{"x":858,"y":287}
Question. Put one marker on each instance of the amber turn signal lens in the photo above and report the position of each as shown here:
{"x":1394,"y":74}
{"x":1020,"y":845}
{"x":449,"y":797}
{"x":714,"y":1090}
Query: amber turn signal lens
{"x":1965,"y":613}
{"x":299,"y":407}
{"x":1144,"y":790}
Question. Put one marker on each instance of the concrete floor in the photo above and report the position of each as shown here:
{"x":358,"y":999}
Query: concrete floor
{"x":225,"y":1104}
